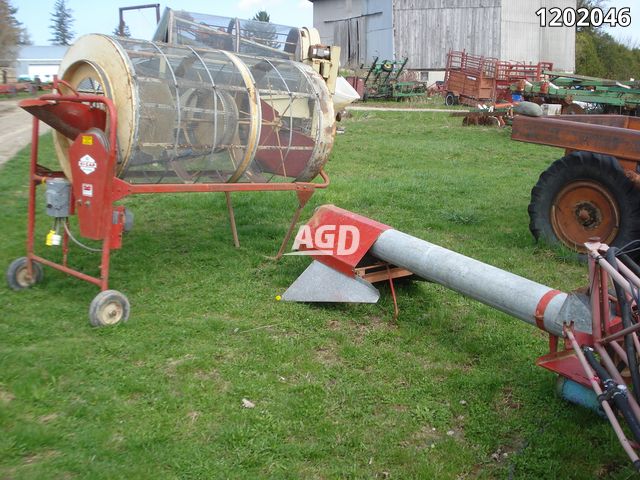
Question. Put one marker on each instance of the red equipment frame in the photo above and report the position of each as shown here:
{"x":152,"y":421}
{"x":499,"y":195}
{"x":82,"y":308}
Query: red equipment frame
{"x":475,"y":78}
{"x":110,"y":189}
{"x":606,"y":338}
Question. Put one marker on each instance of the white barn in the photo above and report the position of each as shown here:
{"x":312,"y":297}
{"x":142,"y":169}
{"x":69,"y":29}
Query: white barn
{"x":41,"y":61}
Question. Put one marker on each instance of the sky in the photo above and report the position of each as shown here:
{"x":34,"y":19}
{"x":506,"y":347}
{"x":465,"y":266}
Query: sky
{"x":632,"y":32}
{"x":101,"y":16}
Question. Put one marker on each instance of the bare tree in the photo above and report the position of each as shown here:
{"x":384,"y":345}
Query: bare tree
{"x":12,"y":34}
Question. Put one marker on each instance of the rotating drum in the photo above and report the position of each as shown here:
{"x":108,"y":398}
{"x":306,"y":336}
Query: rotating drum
{"x":188,"y":115}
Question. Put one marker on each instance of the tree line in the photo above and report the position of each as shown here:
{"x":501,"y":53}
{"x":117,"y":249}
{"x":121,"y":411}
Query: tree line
{"x":598,"y":54}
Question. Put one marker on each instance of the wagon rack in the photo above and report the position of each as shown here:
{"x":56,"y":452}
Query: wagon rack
{"x":473,"y":79}
{"x":610,"y":96}
{"x":382,"y":81}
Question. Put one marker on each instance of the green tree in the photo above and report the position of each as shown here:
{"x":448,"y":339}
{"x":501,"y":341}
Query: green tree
{"x":262,"y":16}
{"x":598,"y":54}
{"x":61,"y":23}
{"x":260,"y":31}
{"x":12,"y":34}
{"x":126,"y":32}
{"x":591,"y":4}
{"x":588,"y":61}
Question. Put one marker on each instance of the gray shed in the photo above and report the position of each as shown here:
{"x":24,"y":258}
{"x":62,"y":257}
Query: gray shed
{"x":425,"y":30}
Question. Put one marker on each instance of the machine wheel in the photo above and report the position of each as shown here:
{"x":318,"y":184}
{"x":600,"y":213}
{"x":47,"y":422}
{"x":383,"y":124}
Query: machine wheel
{"x":108,"y":308}
{"x":493,"y":122}
{"x":450,"y":100}
{"x":572,"y":109}
{"x":585,"y":195}
{"x":18,"y":276}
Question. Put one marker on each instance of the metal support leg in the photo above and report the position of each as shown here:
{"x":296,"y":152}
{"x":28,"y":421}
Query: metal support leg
{"x":396,"y":311}
{"x":232,"y":220}
{"x":31,"y":217}
{"x":303,"y":198}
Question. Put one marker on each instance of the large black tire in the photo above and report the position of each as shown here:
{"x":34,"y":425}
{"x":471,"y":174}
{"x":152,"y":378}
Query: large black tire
{"x":581,"y":196}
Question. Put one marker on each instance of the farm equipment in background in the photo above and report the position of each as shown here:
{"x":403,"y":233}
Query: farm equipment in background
{"x":382,"y":81}
{"x":12,"y":89}
{"x":473,"y":79}
{"x":582,"y":326}
{"x":603,"y":95}
{"x":137,"y":117}
{"x":594,"y":190}
{"x":497,"y":115}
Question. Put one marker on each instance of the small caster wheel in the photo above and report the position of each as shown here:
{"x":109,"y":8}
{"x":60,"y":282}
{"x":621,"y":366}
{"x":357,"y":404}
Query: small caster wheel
{"x":18,"y":276}
{"x":108,"y":308}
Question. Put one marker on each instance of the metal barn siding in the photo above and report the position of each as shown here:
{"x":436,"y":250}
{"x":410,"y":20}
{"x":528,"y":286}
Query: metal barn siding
{"x":362,"y":28}
{"x":379,"y":25}
{"x":425,"y":30}
{"x":325,"y":12}
{"x":524,"y":40}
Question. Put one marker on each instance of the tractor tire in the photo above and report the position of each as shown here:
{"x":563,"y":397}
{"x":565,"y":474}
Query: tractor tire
{"x":582,"y":196}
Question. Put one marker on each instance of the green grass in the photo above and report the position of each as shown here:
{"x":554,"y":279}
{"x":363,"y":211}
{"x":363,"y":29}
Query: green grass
{"x":17,"y":96}
{"x":340,"y":391}
{"x":435,"y":101}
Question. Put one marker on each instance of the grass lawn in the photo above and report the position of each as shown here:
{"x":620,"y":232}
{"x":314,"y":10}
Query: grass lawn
{"x":435,"y":101}
{"x":449,"y":391}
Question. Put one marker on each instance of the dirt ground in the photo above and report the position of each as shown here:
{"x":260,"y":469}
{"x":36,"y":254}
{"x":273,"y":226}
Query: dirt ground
{"x":15,"y":129}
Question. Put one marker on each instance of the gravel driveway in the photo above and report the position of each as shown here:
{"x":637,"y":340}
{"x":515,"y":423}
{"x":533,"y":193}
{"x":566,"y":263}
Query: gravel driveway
{"x":15,"y":129}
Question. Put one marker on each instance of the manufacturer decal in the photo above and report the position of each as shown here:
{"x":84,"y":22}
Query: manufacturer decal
{"x":87,"y":190}
{"x":87,"y":164}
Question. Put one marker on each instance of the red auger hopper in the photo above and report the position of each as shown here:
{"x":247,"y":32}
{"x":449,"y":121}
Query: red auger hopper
{"x":581,"y":326}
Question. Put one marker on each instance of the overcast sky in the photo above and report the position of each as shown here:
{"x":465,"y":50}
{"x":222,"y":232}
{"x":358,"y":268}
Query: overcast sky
{"x":101,"y":16}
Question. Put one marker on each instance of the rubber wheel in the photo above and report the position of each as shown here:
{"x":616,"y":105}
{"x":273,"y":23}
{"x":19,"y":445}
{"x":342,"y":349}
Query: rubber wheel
{"x":18,"y":276}
{"x":492,"y":122}
{"x":582,"y":196}
{"x":572,"y":109}
{"x":109,"y":308}
{"x":450,"y":99}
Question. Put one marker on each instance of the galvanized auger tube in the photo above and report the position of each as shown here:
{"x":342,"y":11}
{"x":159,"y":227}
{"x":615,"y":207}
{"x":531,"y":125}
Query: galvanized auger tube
{"x":517,"y":296}
{"x":188,"y":115}
{"x":529,"y":301}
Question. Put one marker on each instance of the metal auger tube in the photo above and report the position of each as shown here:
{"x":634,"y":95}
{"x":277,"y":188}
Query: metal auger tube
{"x":504,"y":291}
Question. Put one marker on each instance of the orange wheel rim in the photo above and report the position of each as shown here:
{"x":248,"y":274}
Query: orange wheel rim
{"x":584,"y":210}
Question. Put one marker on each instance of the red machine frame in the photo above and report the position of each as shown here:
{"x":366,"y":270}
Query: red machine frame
{"x":115,"y":189}
{"x":607,"y":335}
{"x":474,"y":78}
